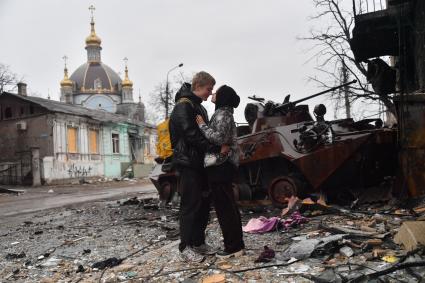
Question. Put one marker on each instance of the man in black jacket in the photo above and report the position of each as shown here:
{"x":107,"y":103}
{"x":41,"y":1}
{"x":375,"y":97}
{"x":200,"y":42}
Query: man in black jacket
{"x":189,"y":148}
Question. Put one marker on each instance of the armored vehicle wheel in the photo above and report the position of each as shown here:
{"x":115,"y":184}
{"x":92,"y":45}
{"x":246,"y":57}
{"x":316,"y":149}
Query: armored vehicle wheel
{"x":242,"y":191}
{"x":282,"y":188}
{"x":235,"y":189}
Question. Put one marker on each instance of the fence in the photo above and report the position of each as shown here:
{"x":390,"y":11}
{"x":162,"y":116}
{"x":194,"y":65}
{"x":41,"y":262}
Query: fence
{"x":17,"y":172}
{"x":9,"y":174}
{"x":368,"y":6}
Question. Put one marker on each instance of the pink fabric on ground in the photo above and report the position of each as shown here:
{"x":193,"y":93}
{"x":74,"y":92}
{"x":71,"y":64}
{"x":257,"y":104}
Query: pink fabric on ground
{"x":261,"y":225}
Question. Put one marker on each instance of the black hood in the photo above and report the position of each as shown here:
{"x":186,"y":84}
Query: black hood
{"x":226,"y":97}
{"x":185,"y":91}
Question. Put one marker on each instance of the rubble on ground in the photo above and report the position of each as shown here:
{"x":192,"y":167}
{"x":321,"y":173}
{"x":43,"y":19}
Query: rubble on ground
{"x":135,"y":240}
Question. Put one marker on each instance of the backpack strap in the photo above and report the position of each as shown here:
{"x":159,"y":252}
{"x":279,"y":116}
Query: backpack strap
{"x":185,"y":100}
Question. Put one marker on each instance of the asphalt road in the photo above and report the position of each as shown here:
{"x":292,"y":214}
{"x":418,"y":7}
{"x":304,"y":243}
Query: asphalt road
{"x":16,"y":207}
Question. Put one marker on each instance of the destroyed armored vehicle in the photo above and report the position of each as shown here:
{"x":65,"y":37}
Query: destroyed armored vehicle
{"x":284,"y":151}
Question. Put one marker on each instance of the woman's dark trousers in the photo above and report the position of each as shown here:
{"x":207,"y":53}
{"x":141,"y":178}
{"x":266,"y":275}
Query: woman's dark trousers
{"x":228,"y":215}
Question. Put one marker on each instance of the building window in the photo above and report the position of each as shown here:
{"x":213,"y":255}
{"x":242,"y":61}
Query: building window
{"x":22,"y":110}
{"x":31,"y":109}
{"x":97,"y":83}
{"x":115,"y":143}
{"x":93,"y":141}
{"x":72,"y":140}
{"x":8,"y":113}
{"x":147,"y":145}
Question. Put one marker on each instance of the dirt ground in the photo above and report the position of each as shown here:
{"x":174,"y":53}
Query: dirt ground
{"x":21,"y":201}
{"x":63,"y":244}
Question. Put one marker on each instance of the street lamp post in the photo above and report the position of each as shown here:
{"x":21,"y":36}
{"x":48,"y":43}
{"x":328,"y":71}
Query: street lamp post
{"x":166,"y":89}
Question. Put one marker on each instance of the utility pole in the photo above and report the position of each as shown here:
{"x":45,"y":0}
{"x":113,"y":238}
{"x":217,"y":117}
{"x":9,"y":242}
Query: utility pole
{"x":344,"y":79}
{"x":166,"y":99}
{"x":167,"y":90}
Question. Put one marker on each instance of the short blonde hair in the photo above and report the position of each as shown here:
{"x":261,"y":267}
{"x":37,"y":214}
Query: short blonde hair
{"x":202,"y":79}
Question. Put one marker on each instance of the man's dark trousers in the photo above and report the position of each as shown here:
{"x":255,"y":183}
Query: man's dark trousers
{"x":194,"y":206}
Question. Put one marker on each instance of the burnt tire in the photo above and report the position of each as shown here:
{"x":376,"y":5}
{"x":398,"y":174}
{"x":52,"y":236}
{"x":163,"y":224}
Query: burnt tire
{"x":282,"y":188}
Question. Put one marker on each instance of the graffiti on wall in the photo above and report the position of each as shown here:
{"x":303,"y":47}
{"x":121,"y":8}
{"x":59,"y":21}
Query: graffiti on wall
{"x":75,"y":171}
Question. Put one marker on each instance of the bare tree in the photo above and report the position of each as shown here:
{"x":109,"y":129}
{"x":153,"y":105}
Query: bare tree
{"x":8,"y":79}
{"x":335,"y":60}
{"x":158,"y":99}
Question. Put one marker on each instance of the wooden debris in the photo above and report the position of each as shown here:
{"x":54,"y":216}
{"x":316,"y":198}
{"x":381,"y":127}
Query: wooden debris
{"x":367,"y":229}
{"x":374,"y":242}
{"x":419,"y":209}
{"x":216,"y":278}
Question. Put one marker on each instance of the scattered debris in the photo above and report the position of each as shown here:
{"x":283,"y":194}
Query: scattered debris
{"x":53,"y":261}
{"x":129,"y":275}
{"x":266,"y":256}
{"x":346,"y":251}
{"x":224,"y":265}
{"x":11,"y":191}
{"x":216,"y":278}
{"x":293,"y":221}
{"x":390,"y":258}
{"x":132,"y":201}
{"x":110,"y":278}
{"x":411,"y":234}
{"x":294,"y":204}
{"x":374,"y":242}
{"x":110,"y":262}
{"x":77,"y":244}
{"x":11,"y":256}
{"x":304,"y":248}
{"x":80,"y":269}
{"x":351,"y":231}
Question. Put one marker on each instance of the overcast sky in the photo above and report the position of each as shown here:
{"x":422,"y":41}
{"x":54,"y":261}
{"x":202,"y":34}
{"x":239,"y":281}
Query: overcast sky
{"x":249,"y":45}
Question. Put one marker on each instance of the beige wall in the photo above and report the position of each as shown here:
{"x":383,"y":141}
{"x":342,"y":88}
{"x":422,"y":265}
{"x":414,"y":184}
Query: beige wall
{"x":38,"y":133}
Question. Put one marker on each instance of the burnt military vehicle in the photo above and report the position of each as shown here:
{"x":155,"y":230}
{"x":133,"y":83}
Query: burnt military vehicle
{"x":284,"y":151}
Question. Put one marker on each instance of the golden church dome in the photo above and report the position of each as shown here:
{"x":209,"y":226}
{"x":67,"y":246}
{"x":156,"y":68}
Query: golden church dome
{"x":93,"y":39}
{"x":66,"y":81}
{"x":126,"y":82}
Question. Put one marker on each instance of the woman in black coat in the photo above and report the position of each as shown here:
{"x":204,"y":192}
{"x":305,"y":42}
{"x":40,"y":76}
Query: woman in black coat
{"x":221,"y":169}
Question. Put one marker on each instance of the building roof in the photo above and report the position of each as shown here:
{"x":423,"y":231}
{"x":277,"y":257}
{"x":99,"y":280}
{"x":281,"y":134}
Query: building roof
{"x":61,"y":107}
{"x":89,"y":75}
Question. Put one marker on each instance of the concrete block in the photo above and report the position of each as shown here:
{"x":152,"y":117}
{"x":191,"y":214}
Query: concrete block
{"x":411,"y":235}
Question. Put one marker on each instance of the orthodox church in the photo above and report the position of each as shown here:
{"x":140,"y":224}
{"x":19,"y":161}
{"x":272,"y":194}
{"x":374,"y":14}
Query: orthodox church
{"x":97,"y":86}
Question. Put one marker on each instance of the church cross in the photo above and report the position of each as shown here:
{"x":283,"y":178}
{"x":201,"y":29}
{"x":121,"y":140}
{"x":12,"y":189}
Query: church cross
{"x":92,"y":8}
{"x":65,"y":58}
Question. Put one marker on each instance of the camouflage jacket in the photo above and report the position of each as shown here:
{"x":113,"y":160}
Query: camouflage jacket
{"x":222,"y":130}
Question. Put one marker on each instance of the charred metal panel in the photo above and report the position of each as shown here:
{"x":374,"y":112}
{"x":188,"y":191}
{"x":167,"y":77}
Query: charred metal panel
{"x":260,"y":146}
{"x":321,"y":164}
{"x":411,"y":108}
{"x":377,"y":33}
